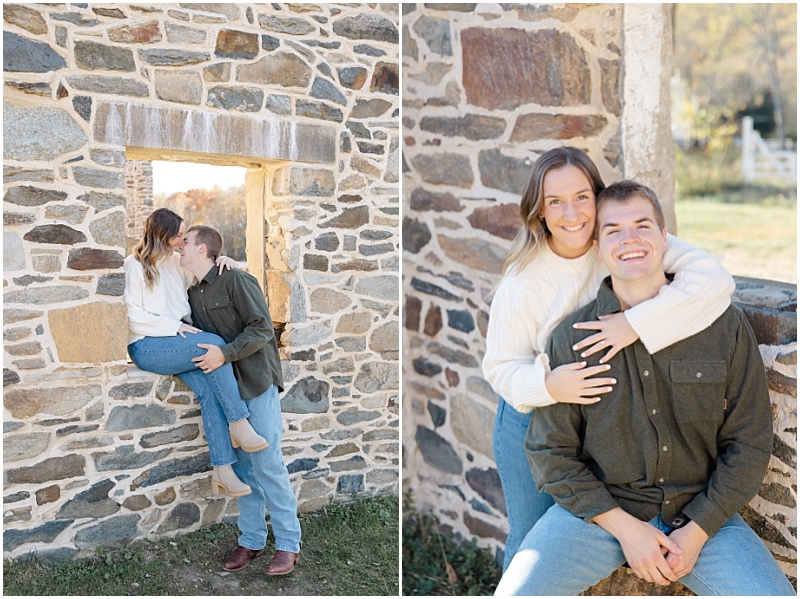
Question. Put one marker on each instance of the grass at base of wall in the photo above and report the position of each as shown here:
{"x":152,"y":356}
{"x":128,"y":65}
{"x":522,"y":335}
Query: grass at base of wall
{"x":348,"y":549}
{"x":434,"y":563}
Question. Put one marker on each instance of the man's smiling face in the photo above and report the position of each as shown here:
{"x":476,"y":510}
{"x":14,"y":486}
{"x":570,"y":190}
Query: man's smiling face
{"x":188,"y":250}
{"x":630,"y":241}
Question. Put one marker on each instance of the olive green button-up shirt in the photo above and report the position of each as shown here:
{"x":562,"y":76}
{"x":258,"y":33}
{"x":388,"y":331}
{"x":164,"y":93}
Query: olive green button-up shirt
{"x":687,"y":429}
{"x":232,"y":305}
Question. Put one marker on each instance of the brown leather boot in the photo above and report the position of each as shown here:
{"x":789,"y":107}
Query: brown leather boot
{"x":240,"y":558}
{"x":282,"y":563}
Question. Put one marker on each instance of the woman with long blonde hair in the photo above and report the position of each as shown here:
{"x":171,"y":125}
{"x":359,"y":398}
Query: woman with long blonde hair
{"x":549,"y":273}
{"x":161,"y":339}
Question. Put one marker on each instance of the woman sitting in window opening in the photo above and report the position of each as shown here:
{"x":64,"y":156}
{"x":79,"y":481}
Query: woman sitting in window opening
{"x":161,"y":339}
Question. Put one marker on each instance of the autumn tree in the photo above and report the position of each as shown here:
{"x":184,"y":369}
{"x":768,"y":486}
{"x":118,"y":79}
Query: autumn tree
{"x":730,"y":56}
{"x":223,"y":209}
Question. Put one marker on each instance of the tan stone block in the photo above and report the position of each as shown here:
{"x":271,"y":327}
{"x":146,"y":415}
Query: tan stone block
{"x":315,"y":424}
{"x":279,"y":294}
{"x":24,"y":446}
{"x":166,"y":496}
{"x":313,"y":489}
{"x":328,"y":301}
{"x":213,"y":511}
{"x":472,"y":423}
{"x":96,"y":332}
{"x":386,"y":338}
{"x":24,"y":403}
{"x":355,"y":323}
{"x":312,"y":505}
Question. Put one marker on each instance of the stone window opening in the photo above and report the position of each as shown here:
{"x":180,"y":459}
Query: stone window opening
{"x":139,"y":182}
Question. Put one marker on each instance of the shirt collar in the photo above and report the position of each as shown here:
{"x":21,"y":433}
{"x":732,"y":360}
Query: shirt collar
{"x":607,"y":301}
{"x":211,"y":275}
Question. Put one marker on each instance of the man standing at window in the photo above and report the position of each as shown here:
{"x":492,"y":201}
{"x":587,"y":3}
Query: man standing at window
{"x":233,"y":306}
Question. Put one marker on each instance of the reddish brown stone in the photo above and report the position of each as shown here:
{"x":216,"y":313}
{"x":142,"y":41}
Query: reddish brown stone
{"x":48,"y":494}
{"x":770,"y":327}
{"x":609,"y":84}
{"x":135,"y":503}
{"x":502,"y":220}
{"x":411,"y":314}
{"x":452,"y":377}
{"x":624,"y":582}
{"x":62,"y":92}
{"x":483,"y":322}
{"x":433,"y":321}
{"x":474,"y":252}
{"x":533,"y":127}
{"x":236,"y":44}
{"x":146,"y":33}
{"x":507,"y":68}
{"x":423,"y":200}
{"x":386,"y":78}
{"x":166,"y":496}
{"x":781,"y":383}
{"x":479,"y":528}
{"x":91,"y":258}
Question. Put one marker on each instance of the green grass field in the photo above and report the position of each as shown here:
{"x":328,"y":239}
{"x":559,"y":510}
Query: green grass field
{"x":752,"y":231}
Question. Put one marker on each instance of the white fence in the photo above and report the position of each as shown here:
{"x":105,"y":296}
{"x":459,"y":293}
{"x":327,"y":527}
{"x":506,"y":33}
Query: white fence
{"x":763,"y":160}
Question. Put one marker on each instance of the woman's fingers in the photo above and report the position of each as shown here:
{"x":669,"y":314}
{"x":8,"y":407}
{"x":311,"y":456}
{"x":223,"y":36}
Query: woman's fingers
{"x":590,"y":340}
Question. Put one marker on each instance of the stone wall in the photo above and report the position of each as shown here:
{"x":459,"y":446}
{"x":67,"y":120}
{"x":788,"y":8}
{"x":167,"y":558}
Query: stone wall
{"x":139,"y":199}
{"x":306,"y":97}
{"x":486,"y":90}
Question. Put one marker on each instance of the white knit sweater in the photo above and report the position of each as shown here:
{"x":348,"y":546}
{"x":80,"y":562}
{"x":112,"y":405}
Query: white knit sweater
{"x":156,"y":312}
{"x":530,"y":303}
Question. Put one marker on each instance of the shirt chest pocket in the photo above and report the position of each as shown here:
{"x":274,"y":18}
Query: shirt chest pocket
{"x":222,"y":314}
{"x":698,"y":387}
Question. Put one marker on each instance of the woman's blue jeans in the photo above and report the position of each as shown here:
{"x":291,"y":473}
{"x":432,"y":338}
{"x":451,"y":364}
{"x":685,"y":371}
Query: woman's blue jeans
{"x":173,"y":355}
{"x":524,"y":503}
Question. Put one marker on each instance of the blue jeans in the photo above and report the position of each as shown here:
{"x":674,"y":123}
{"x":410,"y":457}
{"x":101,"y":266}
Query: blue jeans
{"x":268,"y":478}
{"x":524,"y":503}
{"x":218,"y":392}
{"x":563,"y":555}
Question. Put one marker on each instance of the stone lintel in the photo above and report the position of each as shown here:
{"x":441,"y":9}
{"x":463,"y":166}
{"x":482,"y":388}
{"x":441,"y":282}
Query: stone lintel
{"x":260,"y":137}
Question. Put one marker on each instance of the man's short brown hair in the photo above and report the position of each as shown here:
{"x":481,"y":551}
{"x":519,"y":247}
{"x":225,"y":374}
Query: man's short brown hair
{"x":210,"y":237}
{"x":621,"y":193}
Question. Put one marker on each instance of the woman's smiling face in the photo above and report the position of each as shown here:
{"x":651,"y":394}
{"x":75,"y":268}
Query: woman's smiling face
{"x":569,"y":211}
{"x":176,"y":243}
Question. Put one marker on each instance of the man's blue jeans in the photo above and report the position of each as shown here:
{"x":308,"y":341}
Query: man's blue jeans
{"x":268,"y":478}
{"x":218,"y":392}
{"x":563,"y":555}
{"x":524,"y":503}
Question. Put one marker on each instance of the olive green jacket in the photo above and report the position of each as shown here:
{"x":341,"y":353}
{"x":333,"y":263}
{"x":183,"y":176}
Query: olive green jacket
{"x":232,"y":305}
{"x":687,"y":429}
